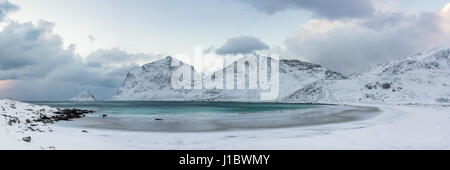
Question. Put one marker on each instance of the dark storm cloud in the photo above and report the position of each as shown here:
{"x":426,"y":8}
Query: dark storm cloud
{"x":5,"y":8}
{"x":350,"y":46}
{"x":330,"y":9}
{"x":242,"y":45}
{"x":34,"y":57}
{"x":31,"y":51}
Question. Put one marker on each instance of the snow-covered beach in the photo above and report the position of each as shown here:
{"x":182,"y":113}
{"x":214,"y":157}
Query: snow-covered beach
{"x":396,"y":127}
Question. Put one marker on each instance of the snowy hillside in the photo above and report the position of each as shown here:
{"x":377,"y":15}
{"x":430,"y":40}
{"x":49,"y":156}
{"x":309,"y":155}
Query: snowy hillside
{"x":23,"y":119}
{"x":84,"y":97}
{"x":420,"y":79}
{"x":152,"y":82}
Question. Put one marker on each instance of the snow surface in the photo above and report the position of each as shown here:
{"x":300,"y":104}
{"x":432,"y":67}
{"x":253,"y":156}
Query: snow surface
{"x":86,"y":96}
{"x":398,"y":127}
{"x":18,"y":120}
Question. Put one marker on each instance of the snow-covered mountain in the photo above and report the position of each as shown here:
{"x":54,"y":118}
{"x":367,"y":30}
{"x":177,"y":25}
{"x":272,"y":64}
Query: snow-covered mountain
{"x":152,"y":82}
{"x":86,"y":96}
{"x":423,"y":78}
{"x":420,"y":79}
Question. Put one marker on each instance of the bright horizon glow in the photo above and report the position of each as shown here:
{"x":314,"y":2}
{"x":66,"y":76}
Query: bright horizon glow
{"x":5,"y":85}
{"x":446,"y":9}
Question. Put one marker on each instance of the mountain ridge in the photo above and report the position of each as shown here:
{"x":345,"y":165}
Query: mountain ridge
{"x":422,"y":78}
{"x":156,"y":76}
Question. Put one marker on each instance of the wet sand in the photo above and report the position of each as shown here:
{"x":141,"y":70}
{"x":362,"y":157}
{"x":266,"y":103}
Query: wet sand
{"x":221,"y":122}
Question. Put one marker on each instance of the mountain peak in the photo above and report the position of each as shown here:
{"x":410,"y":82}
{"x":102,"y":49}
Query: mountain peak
{"x":84,"y":97}
{"x":152,"y":82}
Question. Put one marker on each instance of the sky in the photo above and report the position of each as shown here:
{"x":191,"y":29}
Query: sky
{"x":54,"y":49}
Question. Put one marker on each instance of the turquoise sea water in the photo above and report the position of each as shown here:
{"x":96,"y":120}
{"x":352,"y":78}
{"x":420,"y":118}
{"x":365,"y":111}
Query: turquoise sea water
{"x":156,"y":108}
{"x":208,"y":116}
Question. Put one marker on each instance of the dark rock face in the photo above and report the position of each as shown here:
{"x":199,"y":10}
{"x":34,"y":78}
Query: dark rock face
{"x":66,"y":115}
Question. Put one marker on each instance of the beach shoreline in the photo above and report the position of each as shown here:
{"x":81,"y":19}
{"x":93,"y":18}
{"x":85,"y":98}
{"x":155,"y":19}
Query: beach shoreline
{"x":396,"y":127}
{"x":224,"y":122}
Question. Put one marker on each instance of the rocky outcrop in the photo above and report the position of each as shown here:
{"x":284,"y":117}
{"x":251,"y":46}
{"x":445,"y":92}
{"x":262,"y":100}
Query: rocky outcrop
{"x":65,"y":115}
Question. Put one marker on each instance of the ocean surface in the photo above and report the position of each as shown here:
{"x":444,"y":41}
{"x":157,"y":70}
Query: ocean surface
{"x":208,"y":116}
{"x":172,"y":108}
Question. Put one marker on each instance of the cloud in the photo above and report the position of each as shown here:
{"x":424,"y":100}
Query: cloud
{"x":37,"y":67}
{"x":352,"y":45}
{"x":115,"y":56}
{"x":334,"y":9}
{"x":5,"y":8}
{"x":34,"y":64}
{"x":242,"y":45}
{"x":91,"y":38}
{"x":31,"y":51}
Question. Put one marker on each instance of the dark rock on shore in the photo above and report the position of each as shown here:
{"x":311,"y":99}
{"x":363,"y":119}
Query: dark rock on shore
{"x":386,"y":85}
{"x":65,"y":114}
{"x":27,"y":139}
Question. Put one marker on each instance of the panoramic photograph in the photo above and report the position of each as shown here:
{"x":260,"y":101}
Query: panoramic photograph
{"x":224,"y":75}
